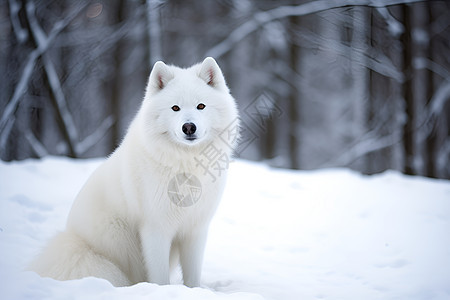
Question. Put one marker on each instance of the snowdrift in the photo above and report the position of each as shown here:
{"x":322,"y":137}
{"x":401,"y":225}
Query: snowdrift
{"x":328,"y":234}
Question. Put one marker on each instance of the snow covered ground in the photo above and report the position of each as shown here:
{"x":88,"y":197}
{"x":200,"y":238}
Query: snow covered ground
{"x":329,"y":234}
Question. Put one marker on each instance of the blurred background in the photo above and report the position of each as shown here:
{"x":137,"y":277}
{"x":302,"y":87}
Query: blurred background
{"x":319,"y":84}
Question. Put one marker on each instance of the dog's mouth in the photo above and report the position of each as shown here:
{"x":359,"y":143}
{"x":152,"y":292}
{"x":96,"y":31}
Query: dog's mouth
{"x":191,"y":138}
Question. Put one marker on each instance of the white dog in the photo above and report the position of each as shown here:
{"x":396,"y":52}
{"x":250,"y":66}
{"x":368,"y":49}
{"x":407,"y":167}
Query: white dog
{"x":149,"y":205}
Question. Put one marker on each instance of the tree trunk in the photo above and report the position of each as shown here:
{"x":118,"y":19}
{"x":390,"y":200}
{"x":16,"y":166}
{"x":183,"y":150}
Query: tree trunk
{"x":154,"y":31}
{"x":431,"y":143}
{"x":409,"y":126}
{"x":117,"y":80}
{"x":294,"y":99}
{"x":360,"y":80}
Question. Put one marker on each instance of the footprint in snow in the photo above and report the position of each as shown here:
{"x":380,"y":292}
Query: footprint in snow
{"x":396,"y":264}
{"x":27,"y":202}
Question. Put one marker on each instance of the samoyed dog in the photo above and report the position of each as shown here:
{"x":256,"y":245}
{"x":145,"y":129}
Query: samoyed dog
{"x":147,"y":208}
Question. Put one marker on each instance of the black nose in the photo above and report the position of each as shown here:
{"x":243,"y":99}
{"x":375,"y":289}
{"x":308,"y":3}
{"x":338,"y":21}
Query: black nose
{"x":189,"y":128}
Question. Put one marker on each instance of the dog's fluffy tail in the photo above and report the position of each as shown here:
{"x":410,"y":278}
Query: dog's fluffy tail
{"x":68,"y":256}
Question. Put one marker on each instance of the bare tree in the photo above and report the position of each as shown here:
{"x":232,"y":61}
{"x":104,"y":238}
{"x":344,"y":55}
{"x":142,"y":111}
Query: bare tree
{"x":362,"y":84}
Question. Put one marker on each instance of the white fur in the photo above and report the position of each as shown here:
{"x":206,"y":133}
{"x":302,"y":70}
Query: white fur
{"x":123,"y":227}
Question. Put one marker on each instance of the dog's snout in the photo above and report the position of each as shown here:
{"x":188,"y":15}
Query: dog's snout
{"x":189,"y":128}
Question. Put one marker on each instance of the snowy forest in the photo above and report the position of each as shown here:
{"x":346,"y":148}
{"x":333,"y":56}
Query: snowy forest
{"x":360,"y":84}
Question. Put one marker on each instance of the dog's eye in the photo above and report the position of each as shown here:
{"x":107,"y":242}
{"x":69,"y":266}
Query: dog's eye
{"x":201,"y":106}
{"x":175,"y":108}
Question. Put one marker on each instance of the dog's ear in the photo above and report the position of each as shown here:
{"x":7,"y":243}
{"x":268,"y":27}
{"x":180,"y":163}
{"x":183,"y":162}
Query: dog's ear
{"x":159,"y":77}
{"x":211,"y":74}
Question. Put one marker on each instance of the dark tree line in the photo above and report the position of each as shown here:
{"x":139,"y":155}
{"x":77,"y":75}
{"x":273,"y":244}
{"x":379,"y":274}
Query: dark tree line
{"x":361,"y":84}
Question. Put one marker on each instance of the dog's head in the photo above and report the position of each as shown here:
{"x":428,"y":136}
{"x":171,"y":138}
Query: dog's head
{"x":188,"y":107}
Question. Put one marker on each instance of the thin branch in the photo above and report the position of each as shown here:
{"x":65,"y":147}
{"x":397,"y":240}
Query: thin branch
{"x":368,"y":58}
{"x":35,"y":144}
{"x":371,"y":142}
{"x":70,"y":129}
{"x":20,"y":32}
{"x":110,"y":38}
{"x":264,"y":17}
{"x":22,"y":85}
{"x":426,"y":63}
{"x":433,"y":110}
{"x":437,"y":101}
{"x":19,"y":91}
{"x":368,"y":144}
{"x":93,"y":138}
{"x":440,"y":97}
{"x":8,"y":127}
{"x":395,"y":27}
{"x":442,"y":158}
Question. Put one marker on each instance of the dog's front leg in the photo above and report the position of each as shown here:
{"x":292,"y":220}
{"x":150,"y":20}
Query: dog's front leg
{"x":191,"y":257}
{"x":156,"y":252}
